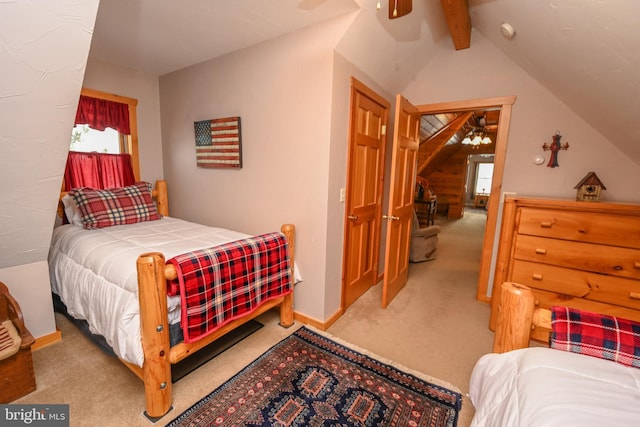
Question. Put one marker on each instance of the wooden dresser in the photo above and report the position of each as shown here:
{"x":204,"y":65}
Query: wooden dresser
{"x":584,"y":255}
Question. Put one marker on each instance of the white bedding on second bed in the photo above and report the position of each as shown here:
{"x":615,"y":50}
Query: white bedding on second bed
{"x":94,"y":273}
{"x":540,"y":386}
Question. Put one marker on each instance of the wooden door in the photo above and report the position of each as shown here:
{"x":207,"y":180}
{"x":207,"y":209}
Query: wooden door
{"x":363,"y":201}
{"x":406,"y":142}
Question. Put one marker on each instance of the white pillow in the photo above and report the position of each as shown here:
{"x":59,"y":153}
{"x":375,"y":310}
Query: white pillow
{"x":71,"y":210}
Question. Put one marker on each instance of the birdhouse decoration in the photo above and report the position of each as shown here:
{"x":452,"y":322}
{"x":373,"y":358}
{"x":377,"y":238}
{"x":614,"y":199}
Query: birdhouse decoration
{"x":589,"y":188}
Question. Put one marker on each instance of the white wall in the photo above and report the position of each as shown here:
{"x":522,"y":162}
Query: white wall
{"x":343,"y":70}
{"x":392,"y":51}
{"x":110,"y":78}
{"x":484,"y":71}
{"x":282,"y":92}
{"x":42,"y":62}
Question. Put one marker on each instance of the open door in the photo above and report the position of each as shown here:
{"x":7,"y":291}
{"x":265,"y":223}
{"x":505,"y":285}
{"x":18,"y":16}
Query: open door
{"x":406,"y":142}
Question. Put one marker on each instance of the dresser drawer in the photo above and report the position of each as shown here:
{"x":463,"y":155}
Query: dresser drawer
{"x":616,"y":230}
{"x":615,"y":261}
{"x":577,"y":283}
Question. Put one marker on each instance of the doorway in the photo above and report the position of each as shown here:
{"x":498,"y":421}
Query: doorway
{"x":504,"y":104}
{"x":360,"y":261}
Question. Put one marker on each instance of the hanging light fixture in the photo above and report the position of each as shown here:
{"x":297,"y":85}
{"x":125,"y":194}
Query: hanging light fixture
{"x":477,"y":135}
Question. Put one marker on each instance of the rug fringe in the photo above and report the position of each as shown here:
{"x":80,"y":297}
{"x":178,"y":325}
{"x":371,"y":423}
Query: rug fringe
{"x":418,"y":374}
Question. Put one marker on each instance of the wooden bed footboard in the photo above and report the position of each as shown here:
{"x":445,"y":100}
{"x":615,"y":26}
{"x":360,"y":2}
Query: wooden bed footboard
{"x":153,"y":273}
{"x":517,"y":316}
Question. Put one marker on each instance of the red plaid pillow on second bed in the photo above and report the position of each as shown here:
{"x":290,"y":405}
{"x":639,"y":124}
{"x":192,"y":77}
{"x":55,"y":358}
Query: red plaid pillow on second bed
{"x":594,"y":334}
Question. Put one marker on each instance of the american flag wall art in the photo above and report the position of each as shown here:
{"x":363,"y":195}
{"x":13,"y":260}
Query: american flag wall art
{"x":218,"y":143}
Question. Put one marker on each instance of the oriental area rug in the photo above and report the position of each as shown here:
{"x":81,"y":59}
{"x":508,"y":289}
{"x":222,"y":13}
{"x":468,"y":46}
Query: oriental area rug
{"x":308,"y":379}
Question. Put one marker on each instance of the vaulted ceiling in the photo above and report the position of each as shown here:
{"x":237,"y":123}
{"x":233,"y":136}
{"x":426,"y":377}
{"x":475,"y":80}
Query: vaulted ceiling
{"x":586,"y":52}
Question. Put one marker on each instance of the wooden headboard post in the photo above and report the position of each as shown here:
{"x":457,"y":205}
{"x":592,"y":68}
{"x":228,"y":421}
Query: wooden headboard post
{"x":515,"y":312}
{"x":162,"y":197}
{"x":517,"y":317}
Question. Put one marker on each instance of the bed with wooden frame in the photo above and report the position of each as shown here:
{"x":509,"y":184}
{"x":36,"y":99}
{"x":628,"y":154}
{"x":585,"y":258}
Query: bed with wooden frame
{"x":153,"y":273}
{"x":521,"y":384}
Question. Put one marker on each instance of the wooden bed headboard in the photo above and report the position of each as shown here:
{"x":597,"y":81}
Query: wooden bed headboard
{"x":159,"y":193}
{"x":517,"y":316}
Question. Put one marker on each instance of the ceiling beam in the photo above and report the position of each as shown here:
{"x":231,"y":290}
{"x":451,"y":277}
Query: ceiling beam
{"x":456,"y":13}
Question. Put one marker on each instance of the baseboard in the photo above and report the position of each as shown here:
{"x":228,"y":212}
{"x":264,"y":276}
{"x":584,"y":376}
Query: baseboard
{"x":46,"y":340}
{"x":323,"y":326}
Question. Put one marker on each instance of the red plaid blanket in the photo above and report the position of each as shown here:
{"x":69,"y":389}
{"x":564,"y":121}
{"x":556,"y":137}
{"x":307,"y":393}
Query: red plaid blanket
{"x":222,"y":283}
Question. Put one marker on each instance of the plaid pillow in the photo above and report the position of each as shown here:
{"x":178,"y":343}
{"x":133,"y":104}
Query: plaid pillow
{"x":116,"y":206}
{"x":598,"y":335}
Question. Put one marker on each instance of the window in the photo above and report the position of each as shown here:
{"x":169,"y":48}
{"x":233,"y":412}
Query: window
{"x":484,"y":174}
{"x":86,"y":139}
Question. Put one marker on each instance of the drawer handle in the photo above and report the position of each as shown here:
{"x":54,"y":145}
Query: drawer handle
{"x":546,"y":224}
{"x":636,"y":265}
{"x":618,"y":267}
{"x":536,"y":276}
{"x":541,"y":251}
{"x":582,"y":230}
{"x":634,"y":295}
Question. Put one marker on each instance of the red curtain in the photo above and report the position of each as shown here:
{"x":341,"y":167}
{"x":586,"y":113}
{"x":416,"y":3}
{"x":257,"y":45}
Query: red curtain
{"x":100,"y":114}
{"x":98,"y":170}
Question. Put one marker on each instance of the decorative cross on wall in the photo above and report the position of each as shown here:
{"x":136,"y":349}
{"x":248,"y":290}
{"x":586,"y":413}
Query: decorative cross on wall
{"x":554,"y":147}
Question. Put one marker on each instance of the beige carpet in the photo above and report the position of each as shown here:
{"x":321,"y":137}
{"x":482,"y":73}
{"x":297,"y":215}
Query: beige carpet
{"x":434,"y":326}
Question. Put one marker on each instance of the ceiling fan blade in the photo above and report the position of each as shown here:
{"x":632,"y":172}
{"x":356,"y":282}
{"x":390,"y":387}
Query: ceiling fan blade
{"x":398,"y":8}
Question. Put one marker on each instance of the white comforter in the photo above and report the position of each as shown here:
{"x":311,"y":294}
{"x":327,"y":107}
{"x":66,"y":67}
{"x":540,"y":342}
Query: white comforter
{"x":545,"y":387}
{"x":94,"y":273}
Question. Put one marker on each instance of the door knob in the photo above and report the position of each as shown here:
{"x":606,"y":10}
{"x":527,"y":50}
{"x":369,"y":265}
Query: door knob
{"x":353,"y":217}
{"x":391,"y":217}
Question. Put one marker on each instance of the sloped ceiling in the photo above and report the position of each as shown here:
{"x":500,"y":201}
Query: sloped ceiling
{"x":587,"y":52}
{"x":161,"y":36}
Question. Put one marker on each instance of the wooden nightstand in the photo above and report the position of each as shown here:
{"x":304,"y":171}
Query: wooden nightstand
{"x":481,"y":200}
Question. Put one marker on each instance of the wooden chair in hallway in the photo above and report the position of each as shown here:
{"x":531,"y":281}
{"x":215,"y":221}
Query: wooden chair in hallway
{"x":424,"y":241}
